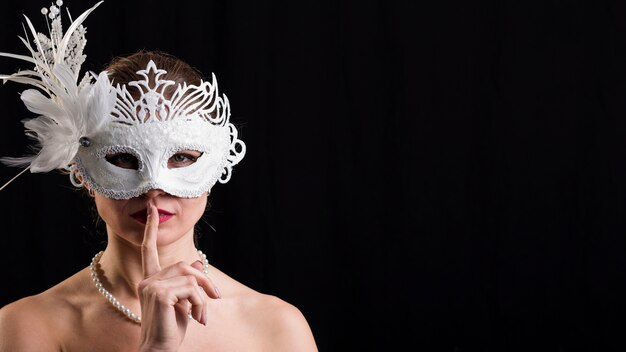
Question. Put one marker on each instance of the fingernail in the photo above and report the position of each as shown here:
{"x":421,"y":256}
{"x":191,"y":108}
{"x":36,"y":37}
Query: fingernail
{"x":217,"y":292}
{"x":149,"y":210}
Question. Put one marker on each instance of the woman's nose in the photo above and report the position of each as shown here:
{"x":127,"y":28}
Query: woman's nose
{"x":153,"y":193}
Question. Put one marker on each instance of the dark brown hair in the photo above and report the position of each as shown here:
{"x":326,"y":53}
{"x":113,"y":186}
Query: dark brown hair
{"x":124,"y":69}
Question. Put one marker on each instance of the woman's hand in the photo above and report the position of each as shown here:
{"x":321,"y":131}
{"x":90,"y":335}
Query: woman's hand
{"x":168,"y":296}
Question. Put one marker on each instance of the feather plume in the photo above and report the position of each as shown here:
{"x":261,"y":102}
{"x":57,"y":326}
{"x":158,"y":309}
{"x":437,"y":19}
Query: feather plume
{"x":67,"y":109}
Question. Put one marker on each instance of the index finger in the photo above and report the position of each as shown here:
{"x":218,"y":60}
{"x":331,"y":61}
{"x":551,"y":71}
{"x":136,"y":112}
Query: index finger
{"x":149,"y":253}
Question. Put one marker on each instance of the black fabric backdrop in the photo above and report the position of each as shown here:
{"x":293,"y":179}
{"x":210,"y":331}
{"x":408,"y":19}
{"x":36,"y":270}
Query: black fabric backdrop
{"x":443,"y":175}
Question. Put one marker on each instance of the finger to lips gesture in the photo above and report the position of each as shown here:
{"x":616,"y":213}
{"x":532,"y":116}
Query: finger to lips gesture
{"x":169,"y":297}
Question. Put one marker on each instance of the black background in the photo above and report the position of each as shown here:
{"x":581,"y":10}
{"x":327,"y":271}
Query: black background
{"x":442,"y":175}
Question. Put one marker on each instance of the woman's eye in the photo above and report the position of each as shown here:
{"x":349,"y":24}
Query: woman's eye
{"x":123,"y":160}
{"x":179,"y":158}
{"x":182,"y":159}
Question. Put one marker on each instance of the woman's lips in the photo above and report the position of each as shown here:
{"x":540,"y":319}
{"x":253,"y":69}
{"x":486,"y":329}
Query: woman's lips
{"x":142,"y":216}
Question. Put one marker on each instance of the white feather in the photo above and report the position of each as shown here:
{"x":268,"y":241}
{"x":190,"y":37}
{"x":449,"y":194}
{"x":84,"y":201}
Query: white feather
{"x":68,"y":111}
{"x":40,"y":104}
{"x":101,"y":101}
{"x":19,"y":57}
{"x":66,"y":38}
{"x":18,"y":162}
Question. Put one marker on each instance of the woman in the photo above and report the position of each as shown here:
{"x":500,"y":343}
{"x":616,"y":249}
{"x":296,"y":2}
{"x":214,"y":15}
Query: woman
{"x":148,"y":139}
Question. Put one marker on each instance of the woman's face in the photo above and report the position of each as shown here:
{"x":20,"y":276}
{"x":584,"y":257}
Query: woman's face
{"x":177,"y":216}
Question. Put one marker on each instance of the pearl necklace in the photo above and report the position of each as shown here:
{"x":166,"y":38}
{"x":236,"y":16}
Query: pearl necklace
{"x":119,"y":306}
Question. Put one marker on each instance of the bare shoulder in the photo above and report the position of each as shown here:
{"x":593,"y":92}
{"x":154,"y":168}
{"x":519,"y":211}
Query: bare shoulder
{"x":287,"y":326}
{"x":271,"y":323}
{"x":35,"y":323}
{"x":25,"y":326}
{"x":283,"y":326}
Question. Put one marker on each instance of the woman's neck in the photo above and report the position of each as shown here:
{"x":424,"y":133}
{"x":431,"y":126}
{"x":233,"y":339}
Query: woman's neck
{"x":121,"y":263}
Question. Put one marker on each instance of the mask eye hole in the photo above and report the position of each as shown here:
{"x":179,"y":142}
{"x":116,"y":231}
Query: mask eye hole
{"x":123,"y":160}
{"x":183,"y":158}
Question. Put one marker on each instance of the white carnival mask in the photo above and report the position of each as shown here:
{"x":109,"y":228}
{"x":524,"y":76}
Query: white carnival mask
{"x":151,"y":130}
{"x":83,"y":126}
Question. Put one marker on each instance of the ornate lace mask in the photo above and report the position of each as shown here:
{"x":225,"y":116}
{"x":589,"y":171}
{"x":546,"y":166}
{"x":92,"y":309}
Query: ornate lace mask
{"x":152,"y":130}
{"x":118,"y":145}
